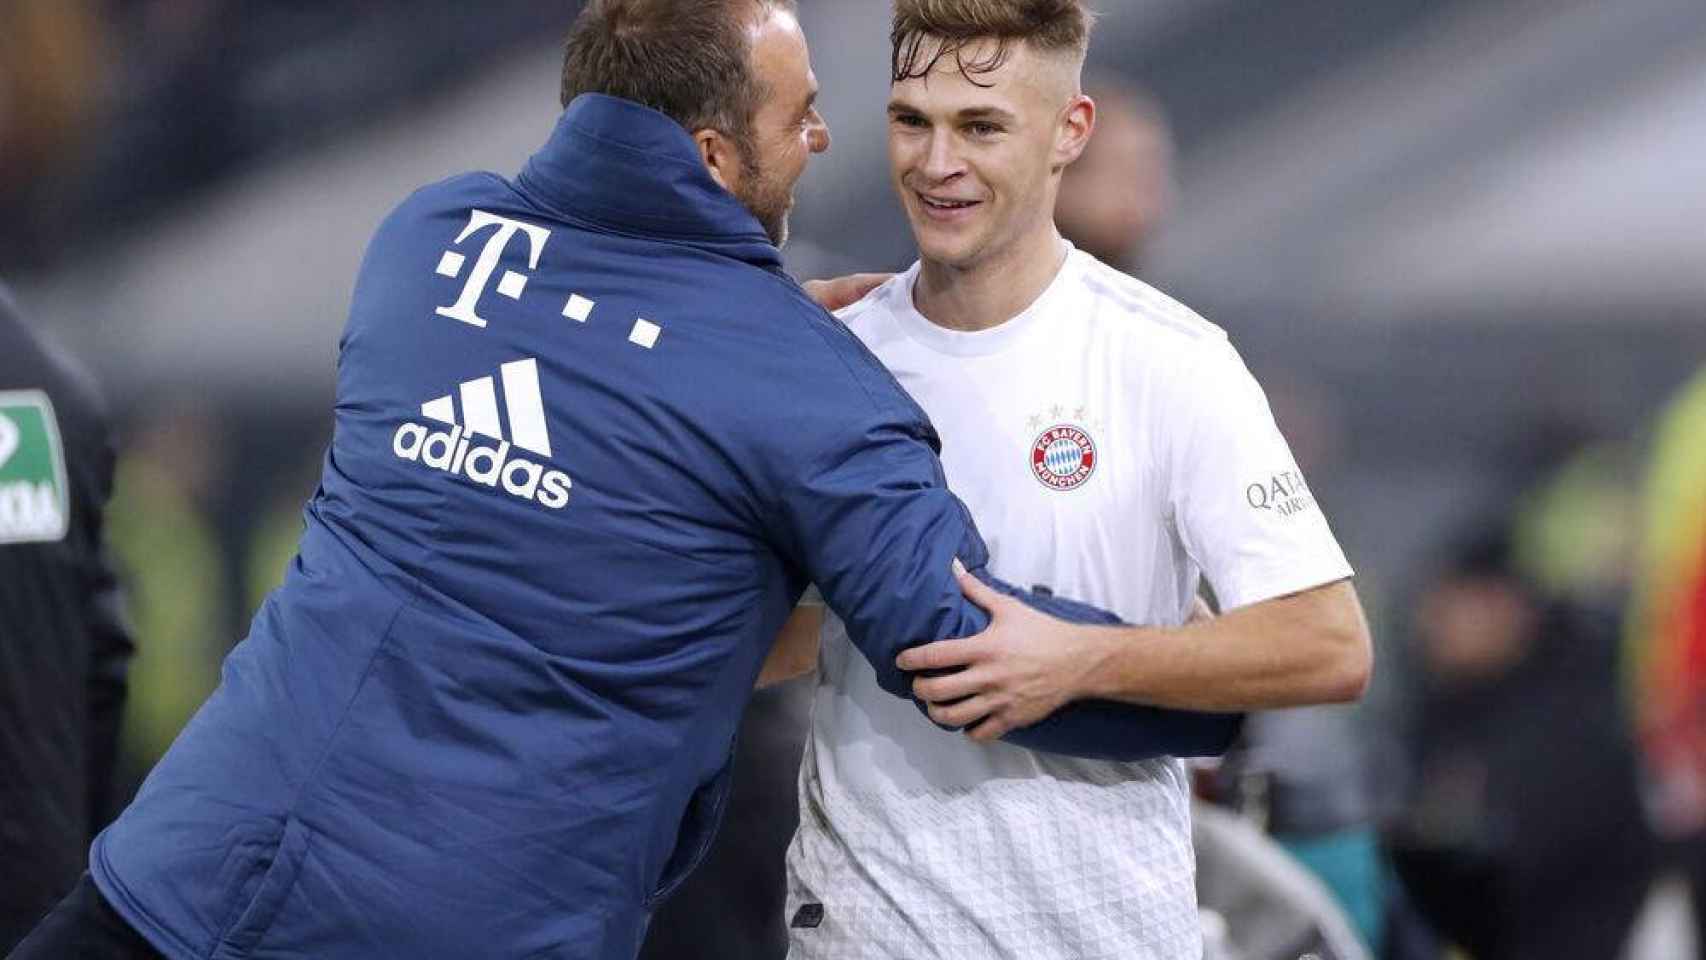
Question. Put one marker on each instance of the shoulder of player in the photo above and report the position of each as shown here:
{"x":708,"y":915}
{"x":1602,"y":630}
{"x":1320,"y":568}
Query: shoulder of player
{"x":1143,"y":310}
{"x":872,"y":318}
{"x":828,"y":350}
{"x":1190,"y":356}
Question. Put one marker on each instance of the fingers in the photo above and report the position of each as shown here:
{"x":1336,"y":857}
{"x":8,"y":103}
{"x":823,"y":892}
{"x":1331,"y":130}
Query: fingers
{"x":860,"y":284}
{"x":992,"y":728}
{"x":944,"y":689}
{"x":961,"y":714}
{"x":947,"y":654}
{"x":822,"y":292}
{"x":941,"y":655}
{"x":843,"y":291}
{"x":976,"y":590}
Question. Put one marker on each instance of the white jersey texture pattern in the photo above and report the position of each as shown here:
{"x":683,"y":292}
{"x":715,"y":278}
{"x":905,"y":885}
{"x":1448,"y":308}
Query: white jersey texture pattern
{"x":1112,"y":447}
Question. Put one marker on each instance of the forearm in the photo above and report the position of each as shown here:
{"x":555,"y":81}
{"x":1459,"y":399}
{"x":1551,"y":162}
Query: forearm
{"x":1307,"y":648}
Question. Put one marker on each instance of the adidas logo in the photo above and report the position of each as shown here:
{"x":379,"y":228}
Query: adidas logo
{"x":453,"y":451}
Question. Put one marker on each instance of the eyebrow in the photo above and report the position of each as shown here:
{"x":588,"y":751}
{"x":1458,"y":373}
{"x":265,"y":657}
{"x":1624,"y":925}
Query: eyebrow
{"x":963,"y":116}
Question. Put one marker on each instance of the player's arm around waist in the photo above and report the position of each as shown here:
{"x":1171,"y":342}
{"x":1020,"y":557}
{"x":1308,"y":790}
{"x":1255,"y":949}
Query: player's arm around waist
{"x":1304,"y":648}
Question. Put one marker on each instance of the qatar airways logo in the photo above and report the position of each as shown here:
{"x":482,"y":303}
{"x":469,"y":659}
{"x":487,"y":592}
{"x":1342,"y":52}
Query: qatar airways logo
{"x":1283,"y":493}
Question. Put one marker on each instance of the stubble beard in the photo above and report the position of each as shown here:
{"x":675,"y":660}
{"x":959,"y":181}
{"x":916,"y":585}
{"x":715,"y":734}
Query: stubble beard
{"x":767,"y":200}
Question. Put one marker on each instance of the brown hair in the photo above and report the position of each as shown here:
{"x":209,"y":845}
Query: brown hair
{"x":688,"y":59}
{"x":1047,"y":25}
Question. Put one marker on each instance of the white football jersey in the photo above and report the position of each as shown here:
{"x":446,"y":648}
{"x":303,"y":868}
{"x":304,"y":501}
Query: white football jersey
{"x":1114,"y":448}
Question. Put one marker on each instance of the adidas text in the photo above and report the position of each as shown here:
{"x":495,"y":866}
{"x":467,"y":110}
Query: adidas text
{"x":490,"y":466}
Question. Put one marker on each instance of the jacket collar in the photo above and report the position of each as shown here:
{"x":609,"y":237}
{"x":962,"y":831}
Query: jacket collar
{"x":629,"y":169}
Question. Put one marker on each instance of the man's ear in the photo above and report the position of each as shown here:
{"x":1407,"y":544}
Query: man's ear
{"x":1077,"y":123}
{"x":722,"y":158}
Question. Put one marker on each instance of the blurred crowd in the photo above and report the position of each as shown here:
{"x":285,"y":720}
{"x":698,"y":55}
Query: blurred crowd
{"x":1530,"y":766}
{"x":112,"y":110}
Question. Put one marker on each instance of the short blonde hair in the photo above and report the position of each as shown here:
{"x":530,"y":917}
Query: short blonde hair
{"x":925,"y":31}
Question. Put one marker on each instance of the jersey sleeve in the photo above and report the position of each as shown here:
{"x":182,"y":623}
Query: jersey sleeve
{"x":1241,"y":506}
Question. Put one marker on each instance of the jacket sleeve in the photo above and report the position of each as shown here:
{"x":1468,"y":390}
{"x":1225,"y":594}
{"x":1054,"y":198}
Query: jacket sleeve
{"x":876,"y":527}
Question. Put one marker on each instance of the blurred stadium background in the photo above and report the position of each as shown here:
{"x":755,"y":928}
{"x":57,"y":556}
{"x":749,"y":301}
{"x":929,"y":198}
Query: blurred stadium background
{"x":1459,"y":240}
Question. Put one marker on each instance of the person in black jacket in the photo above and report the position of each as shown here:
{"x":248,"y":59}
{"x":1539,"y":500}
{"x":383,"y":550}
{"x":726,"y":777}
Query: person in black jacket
{"x":64,"y":647}
{"x":1523,"y":837}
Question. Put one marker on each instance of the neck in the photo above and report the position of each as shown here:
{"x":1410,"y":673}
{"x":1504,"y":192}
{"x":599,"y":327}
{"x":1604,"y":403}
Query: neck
{"x":995,"y":289}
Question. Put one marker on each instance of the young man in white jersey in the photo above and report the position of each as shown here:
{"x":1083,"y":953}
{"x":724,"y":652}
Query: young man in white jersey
{"x":1113,"y":446}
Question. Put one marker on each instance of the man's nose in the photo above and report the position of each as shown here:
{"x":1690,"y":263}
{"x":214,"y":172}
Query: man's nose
{"x":942,"y":162}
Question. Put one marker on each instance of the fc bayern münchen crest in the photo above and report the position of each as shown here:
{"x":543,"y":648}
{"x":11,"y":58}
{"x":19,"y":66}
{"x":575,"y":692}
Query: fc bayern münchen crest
{"x":1063,"y":457}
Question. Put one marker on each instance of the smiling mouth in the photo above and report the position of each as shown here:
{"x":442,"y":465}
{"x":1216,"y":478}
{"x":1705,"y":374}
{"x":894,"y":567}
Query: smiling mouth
{"x":947,"y":205}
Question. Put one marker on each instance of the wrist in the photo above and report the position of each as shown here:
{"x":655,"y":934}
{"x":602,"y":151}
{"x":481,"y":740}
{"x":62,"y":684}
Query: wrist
{"x":1096,"y":653}
{"x":1111,"y":657}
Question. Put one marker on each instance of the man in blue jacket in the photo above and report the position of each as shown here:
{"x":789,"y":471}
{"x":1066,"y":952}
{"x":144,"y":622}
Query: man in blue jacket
{"x":591,"y":444}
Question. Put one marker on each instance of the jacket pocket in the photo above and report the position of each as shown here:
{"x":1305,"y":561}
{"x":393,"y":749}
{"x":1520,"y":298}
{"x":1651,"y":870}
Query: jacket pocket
{"x":698,"y":828}
{"x":280,"y":876}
